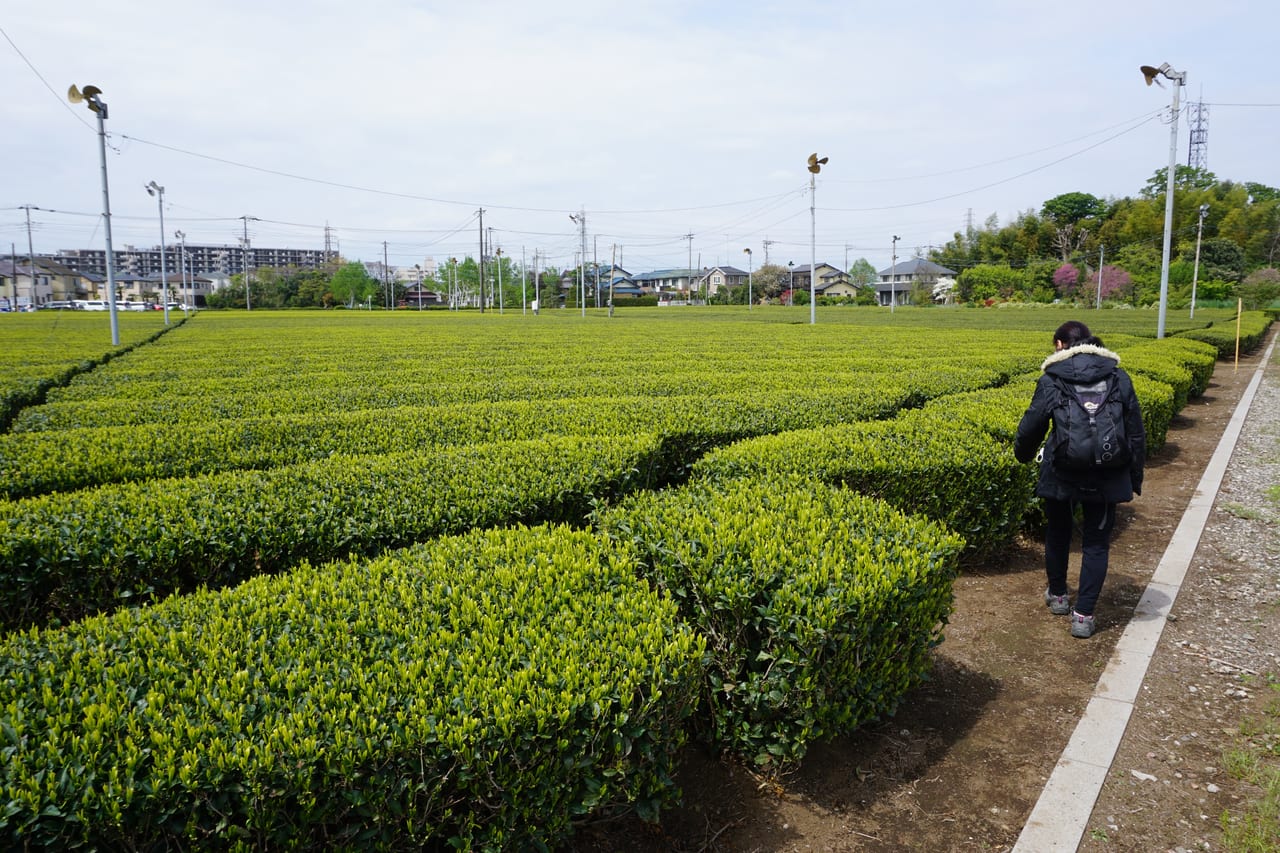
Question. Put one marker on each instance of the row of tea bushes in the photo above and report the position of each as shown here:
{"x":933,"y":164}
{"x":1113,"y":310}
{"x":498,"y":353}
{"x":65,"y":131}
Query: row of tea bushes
{"x":819,"y":606}
{"x":43,"y":350}
{"x":478,"y":692}
{"x":922,"y":462}
{"x":154,"y":401}
{"x":475,"y":692}
{"x":38,"y":462}
{"x":70,"y":554}
{"x":1253,"y":326}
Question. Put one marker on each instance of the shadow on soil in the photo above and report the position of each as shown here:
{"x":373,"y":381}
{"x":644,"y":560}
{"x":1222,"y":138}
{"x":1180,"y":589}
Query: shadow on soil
{"x":839,"y":776}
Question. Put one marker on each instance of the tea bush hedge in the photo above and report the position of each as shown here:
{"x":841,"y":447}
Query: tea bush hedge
{"x":819,"y":606}
{"x":66,"y":555}
{"x":480,"y":692}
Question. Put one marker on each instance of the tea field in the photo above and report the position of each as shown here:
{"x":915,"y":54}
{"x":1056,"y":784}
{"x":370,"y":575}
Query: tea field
{"x":292,"y":579}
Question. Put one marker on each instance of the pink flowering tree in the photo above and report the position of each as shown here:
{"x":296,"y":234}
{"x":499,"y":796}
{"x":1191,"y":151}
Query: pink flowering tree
{"x":1116,"y":284}
{"x":1066,"y":278}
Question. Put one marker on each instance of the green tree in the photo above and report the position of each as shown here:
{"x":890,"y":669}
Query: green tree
{"x":988,"y":282}
{"x":352,"y":284}
{"x":1070,"y":208}
{"x":862,"y":273}
{"x":1260,"y":289}
{"x":1184,"y":178}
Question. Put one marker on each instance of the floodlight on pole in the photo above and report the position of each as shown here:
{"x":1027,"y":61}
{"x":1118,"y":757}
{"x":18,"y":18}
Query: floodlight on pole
{"x":89,"y":97}
{"x":750,"y":299}
{"x":791,"y":283}
{"x":154,"y":189}
{"x":893,"y":274}
{"x":1179,"y":79}
{"x":1204,"y":211}
{"x":815,"y":166}
{"x":188,"y":299}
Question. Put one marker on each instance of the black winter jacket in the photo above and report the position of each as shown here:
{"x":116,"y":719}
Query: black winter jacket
{"x":1084,"y":363}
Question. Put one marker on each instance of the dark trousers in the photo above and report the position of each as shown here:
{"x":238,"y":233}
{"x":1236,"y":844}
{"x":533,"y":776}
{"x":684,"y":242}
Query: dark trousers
{"x":1099,"y":520}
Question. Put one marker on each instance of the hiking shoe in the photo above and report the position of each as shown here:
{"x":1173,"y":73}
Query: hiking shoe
{"x":1082,"y":626}
{"x":1058,"y":604}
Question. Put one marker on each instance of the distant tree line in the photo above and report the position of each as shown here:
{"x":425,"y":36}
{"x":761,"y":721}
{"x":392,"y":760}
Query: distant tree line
{"x":1058,"y":252}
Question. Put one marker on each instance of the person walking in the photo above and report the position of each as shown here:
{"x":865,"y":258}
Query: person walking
{"x":1093,"y":459}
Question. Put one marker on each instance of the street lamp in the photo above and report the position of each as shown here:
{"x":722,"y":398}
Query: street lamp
{"x":791,"y":283}
{"x":154,"y":189}
{"x":815,"y":166}
{"x":90,"y":97}
{"x":1204,"y":211}
{"x":1179,"y":79}
{"x":747,"y":252}
{"x":893,"y":274}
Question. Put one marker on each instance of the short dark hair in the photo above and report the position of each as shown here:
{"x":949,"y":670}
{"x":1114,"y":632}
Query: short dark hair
{"x":1073,"y":333}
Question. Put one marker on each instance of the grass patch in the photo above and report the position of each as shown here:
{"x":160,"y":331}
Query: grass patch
{"x":1244,"y":511}
{"x":1255,"y":760}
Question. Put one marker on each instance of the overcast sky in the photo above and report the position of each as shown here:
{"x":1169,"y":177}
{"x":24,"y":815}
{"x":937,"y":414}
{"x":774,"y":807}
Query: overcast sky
{"x":395,"y":121}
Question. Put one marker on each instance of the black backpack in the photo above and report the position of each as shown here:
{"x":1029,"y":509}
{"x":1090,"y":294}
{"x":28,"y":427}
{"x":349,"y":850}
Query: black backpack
{"x":1088,"y":427}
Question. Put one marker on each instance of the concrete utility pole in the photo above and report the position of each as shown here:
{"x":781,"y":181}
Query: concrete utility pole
{"x":481,"y":211}
{"x":767,"y":244}
{"x":244,"y":267}
{"x":689,"y":237}
{"x":31,"y":260}
{"x":386,"y":280}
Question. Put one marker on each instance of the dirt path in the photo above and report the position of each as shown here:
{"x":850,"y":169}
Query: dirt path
{"x":963,"y":762}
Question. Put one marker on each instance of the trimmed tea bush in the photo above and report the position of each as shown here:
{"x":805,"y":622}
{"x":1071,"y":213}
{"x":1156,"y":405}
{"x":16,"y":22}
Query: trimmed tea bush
{"x":919,"y":463}
{"x":480,"y":692}
{"x":64,"y":556}
{"x":819,"y":606}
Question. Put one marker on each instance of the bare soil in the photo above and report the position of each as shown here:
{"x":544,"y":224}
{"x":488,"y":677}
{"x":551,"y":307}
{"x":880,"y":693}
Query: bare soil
{"x":961,"y":765}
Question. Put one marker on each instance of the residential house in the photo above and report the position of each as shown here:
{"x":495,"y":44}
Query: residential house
{"x":828,"y":281}
{"x":896,"y":282}
{"x":712,"y":280}
{"x":668,"y":282}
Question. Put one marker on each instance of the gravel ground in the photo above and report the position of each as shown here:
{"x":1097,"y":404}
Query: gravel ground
{"x":1167,"y":789}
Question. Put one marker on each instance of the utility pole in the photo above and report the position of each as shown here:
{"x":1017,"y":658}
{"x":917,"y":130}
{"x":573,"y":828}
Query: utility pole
{"x":386,"y":280}
{"x":689,"y":237}
{"x":613,"y":268}
{"x":1102,"y":250}
{"x":767,"y":244}
{"x":581,"y":218}
{"x":524,"y":284}
{"x":481,"y":211}
{"x":1195,"y":275}
{"x":244,"y":267}
{"x":31,"y":260}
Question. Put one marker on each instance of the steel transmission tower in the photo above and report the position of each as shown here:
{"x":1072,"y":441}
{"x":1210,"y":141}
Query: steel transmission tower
{"x":1198,"y":149}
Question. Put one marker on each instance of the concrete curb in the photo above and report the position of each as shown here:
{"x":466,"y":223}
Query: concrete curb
{"x":1061,"y":814}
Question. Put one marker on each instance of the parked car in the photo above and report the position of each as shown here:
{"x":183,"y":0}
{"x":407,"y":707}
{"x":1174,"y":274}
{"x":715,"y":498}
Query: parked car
{"x":58,"y":305}
{"x":92,"y":304}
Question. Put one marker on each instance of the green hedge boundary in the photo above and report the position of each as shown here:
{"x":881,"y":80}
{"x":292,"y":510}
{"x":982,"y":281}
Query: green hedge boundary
{"x":480,"y":692}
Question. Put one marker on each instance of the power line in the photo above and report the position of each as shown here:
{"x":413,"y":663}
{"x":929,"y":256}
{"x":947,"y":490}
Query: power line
{"x":61,"y":99}
{"x":1039,"y":168}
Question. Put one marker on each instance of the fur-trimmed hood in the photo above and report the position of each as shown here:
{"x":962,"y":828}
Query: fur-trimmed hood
{"x":1083,"y":363}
